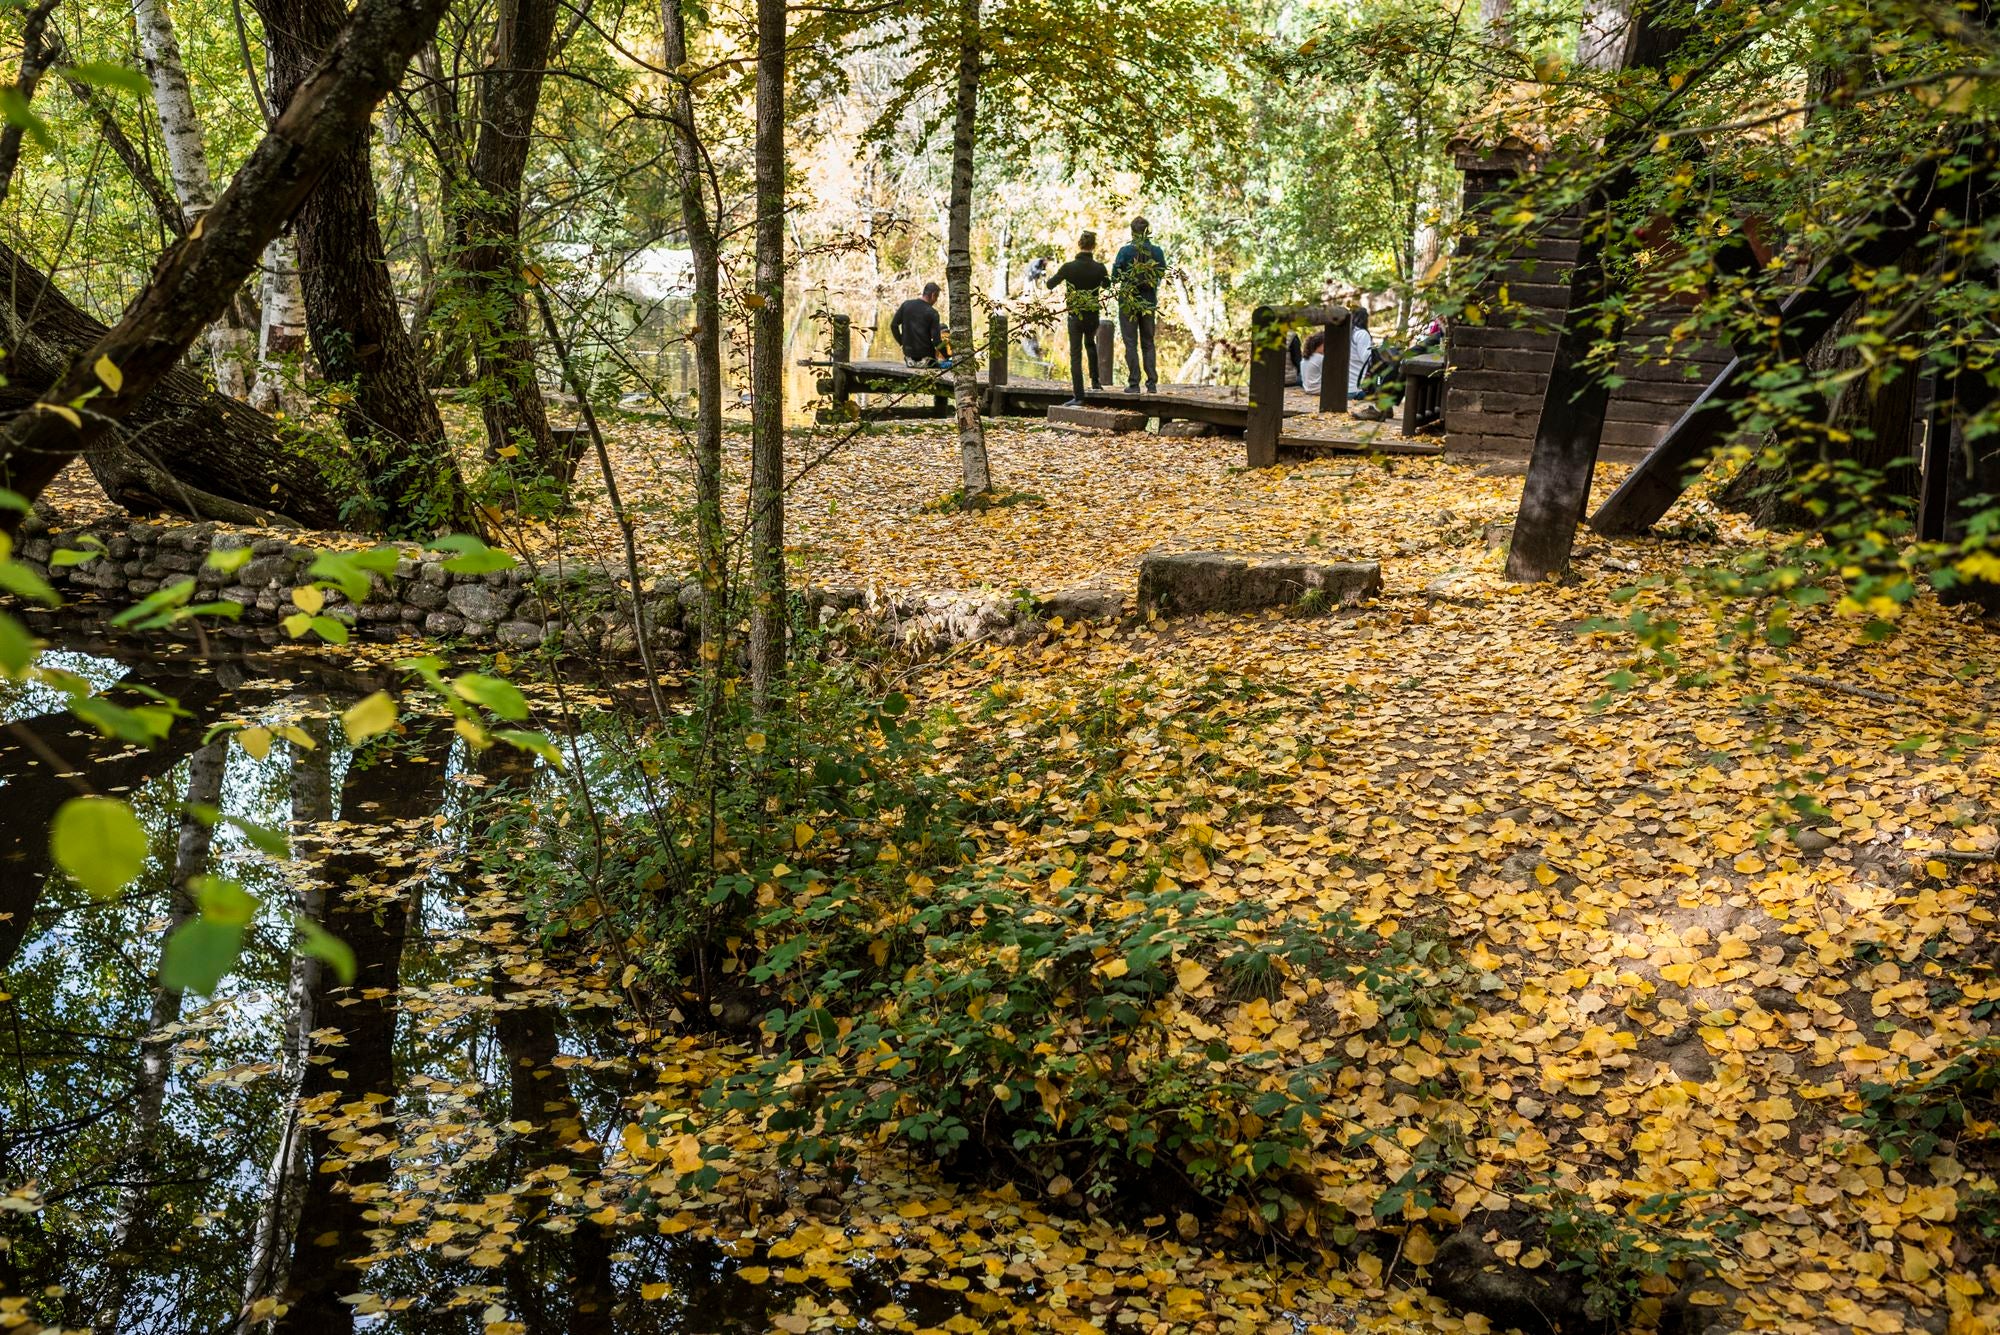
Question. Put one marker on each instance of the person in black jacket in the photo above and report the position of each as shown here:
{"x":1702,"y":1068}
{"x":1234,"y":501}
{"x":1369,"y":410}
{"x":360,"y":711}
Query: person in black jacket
{"x":916,"y":329}
{"x":1087,"y":279}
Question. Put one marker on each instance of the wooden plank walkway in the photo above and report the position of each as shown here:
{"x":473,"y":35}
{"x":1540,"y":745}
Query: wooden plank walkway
{"x":1220,"y":405}
{"x":1226,"y":406}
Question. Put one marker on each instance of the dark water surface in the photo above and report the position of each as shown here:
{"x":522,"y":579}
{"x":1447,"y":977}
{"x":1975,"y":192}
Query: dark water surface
{"x":421,"y":1151}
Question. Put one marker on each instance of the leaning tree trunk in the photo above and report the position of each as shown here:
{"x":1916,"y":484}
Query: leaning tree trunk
{"x":351,"y":313}
{"x":488,"y":223}
{"x":195,"y":278}
{"x":767,"y":366}
{"x":1574,"y":402}
{"x":192,"y":451}
{"x":977,"y":472}
{"x":156,"y":1050}
{"x":690,"y":163}
{"x":187,"y":165}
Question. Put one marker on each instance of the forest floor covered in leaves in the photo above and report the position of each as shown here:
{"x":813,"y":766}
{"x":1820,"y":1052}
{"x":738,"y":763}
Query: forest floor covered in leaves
{"x":1670,"y":936}
{"x":1672,"y":986}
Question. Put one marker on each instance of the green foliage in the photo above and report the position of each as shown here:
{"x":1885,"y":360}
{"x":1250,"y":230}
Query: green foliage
{"x":1613,"y":1253}
{"x":99,"y":842}
{"x":1953,"y":1106}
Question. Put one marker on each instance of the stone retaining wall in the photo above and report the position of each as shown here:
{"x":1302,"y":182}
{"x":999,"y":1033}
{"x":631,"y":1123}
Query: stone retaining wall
{"x":577,"y":609}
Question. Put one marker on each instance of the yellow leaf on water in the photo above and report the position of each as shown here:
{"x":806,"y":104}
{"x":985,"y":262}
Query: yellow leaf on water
{"x":369,"y":717}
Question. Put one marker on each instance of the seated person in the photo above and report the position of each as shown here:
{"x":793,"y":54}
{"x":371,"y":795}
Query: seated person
{"x":1360,"y":344}
{"x":917,"y":329}
{"x":1312,"y":365}
{"x":1293,"y":356}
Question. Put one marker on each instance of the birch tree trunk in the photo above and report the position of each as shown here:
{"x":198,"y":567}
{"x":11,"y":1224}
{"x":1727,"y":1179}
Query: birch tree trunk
{"x":977,"y":471}
{"x":284,"y":1178}
{"x":187,"y":167}
{"x":156,"y":1050}
{"x":705,"y":255}
{"x":767,"y":366}
{"x":281,"y":332}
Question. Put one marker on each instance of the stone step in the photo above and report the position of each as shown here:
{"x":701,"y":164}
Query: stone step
{"x":1120,"y":420}
{"x":1180,"y":583}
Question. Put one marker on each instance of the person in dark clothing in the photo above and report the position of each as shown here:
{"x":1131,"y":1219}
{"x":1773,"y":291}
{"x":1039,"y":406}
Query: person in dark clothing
{"x":1087,"y":279}
{"x":916,"y":328}
{"x":1137,"y":273}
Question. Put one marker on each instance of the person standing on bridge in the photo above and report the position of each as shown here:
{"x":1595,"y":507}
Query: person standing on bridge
{"x":1087,"y":279}
{"x":1137,"y":274}
{"x":916,"y":328}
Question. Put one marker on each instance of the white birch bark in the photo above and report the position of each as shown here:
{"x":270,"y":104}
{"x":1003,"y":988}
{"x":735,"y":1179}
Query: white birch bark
{"x":156,"y":1050}
{"x":187,"y":166}
{"x":284,"y":1177}
{"x":281,"y":331}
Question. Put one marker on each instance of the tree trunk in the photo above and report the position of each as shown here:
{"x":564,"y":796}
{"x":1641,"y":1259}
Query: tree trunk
{"x":488,"y":223}
{"x":281,"y":333}
{"x":187,"y":165}
{"x":1571,"y":424}
{"x":351,"y":314}
{"x":690,"y":164}
{"x":284,"y":1179}
{"x":369,"y":907}
{"x":36,"y":56}
{"x":767,"y":367}
{"x":222,"y":459}
{"x":977,"y":472}
{"x":156,"y":1051}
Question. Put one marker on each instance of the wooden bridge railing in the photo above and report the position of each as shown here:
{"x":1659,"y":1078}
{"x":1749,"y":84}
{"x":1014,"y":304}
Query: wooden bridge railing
{"x":1268,"y":328}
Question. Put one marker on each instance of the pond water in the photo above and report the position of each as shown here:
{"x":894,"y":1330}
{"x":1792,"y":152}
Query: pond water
{"x":422,"y":1151}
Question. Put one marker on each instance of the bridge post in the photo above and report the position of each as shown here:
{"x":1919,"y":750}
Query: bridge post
{"x":1333,"y":378}
{"x":841,"y":353}
{"x":997,"y":348}
{"x":1267,"y":390}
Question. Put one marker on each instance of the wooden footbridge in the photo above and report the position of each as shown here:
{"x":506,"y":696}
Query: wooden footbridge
{"x":1262,"y":412}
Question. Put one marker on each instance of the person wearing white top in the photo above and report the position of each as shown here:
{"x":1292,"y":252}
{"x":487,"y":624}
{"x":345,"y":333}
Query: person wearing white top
{"x":1359,"y":344}
{"x":1312,"y":366}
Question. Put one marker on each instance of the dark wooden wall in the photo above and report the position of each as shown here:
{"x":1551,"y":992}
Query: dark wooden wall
{"x":1496,"y":372}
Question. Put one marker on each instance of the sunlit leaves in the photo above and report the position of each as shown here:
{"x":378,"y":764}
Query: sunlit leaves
{"x":350,"y":571}
{"x":228,"y":560}
{"x":369,"y":717}
{"x":473,"y":556}
{"x":105,"y":74}
{"x":498,"y":696}
{"x":320,"y":944}
{"x":17,"y":646}
{"x":99,"y":843}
